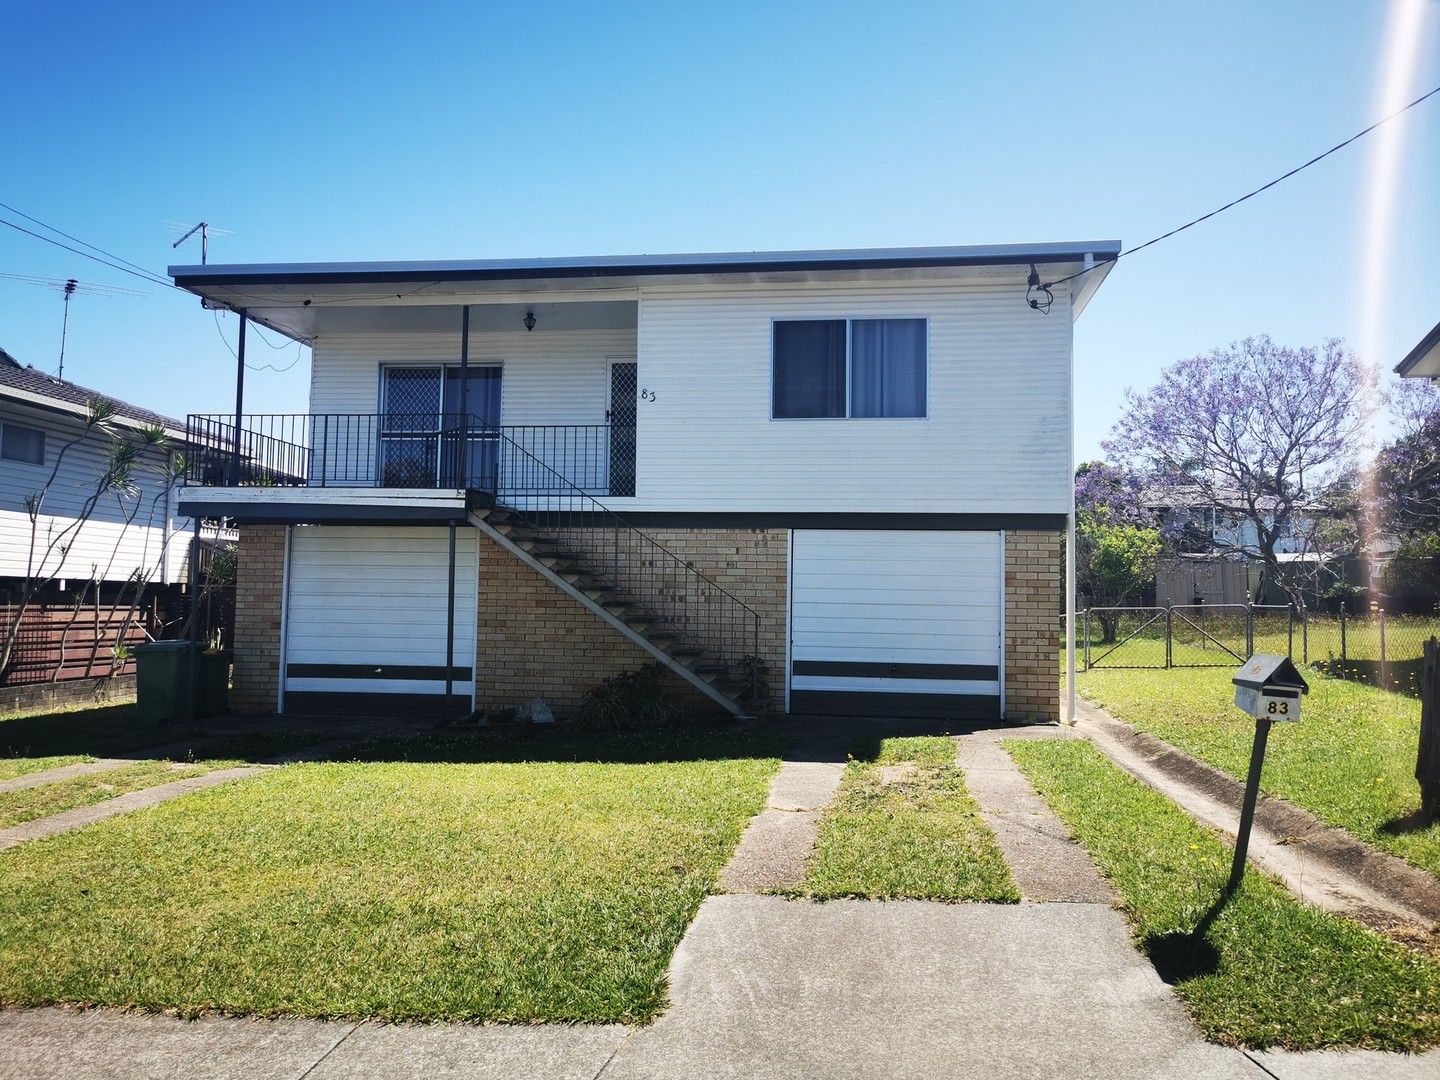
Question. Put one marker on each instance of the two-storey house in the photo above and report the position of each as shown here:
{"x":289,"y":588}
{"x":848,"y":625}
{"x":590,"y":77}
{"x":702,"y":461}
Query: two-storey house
{"x":835,"y":481}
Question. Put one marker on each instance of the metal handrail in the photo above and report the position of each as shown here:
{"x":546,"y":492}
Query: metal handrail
{"x":392,"y":449}
{"x":638,"y":567}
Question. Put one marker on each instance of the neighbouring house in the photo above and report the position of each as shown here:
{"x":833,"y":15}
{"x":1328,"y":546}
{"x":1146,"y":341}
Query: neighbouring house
{"x":819,"y":481}
{"x":1202,"y":528}
{"x":1423,"y":361}
{"x":81,"y":561}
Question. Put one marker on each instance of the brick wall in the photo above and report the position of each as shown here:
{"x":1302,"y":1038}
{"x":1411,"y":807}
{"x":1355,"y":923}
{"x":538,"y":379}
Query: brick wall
{"x":1033,"y":592}
{"x":104,"y":690}
{"x":532,"y":639}
{"x":259,"y":582}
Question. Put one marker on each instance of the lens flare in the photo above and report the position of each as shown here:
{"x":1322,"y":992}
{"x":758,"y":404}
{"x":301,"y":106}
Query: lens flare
{"x":1400,"y":55}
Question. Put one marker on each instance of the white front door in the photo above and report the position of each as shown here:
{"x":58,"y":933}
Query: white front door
{"x":366,"y":618}
{"x":896,"y":623}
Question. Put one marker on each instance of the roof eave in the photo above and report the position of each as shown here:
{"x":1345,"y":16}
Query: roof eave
{"x":660,"y":265}
{"x":1423,"y":361}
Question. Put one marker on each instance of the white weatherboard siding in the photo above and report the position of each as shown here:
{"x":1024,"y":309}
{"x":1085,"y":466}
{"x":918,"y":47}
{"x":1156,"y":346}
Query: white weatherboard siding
{"x":377,"y":597}
{"x":895,"y":613}
{"x":104,"y":546}
{"x":997,"y":439}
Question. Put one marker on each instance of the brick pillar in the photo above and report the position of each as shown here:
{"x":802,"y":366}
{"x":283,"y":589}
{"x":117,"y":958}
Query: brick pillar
{"x":259,"y":582}
{"x":1034,"y":593}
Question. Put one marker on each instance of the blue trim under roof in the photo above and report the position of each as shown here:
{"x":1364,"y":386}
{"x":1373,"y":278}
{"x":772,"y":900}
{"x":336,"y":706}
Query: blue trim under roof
{"x":630,"y":265}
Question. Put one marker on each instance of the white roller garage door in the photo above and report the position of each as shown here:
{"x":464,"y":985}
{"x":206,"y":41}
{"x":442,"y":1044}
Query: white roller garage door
{"x":366,"y":614}
{"x":896,"y":623}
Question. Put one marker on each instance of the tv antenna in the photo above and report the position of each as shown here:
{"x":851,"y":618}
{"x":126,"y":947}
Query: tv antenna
{"x":69,"y":287}
{"x":204,"y":230}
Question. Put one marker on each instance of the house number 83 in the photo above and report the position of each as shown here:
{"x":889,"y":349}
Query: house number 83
{"x":647,"y":395}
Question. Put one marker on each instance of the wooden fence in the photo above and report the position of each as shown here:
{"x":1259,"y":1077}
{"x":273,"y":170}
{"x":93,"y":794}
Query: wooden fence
{"x":64,"y":639}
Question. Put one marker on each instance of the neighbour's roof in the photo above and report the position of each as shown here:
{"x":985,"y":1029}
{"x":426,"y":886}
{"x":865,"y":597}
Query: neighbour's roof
{"x":21,"y":383}
{"x":1423,"y":361}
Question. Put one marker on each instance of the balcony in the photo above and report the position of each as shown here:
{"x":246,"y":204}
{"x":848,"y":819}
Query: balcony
{"x":410,"y":451}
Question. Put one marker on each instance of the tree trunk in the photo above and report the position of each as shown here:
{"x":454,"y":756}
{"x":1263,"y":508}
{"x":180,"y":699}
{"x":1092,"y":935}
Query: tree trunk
{"x":1427,"y":762}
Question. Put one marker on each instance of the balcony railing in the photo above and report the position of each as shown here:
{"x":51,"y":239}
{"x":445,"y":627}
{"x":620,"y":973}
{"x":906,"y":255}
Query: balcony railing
{"x":409,"y":450}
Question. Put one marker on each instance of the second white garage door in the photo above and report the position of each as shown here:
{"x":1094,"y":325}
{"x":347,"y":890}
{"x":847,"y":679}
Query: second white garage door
{"x":365,"y":618}
{"x":896,"y":623}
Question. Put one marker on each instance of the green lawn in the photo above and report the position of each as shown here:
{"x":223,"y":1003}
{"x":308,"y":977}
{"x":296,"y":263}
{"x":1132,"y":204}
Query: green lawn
{"x":1263,"y":969}
{"x":919,"y":835}
{"x":36,"y":741}
{"x":527,"y":876}
{"x":1350,"y":761}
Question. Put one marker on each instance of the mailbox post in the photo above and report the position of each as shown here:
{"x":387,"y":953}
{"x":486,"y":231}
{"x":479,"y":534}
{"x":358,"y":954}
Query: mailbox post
{"x":1267,"y":688}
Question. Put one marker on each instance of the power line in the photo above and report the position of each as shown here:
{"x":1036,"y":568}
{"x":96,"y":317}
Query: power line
{"x":94,"y":258}
{"x":299,"y":351}
{"x":77,"y":240}
{"x":1250,"y":195}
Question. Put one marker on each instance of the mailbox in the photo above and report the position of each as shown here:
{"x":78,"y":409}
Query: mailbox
{"x":1269,"y":688}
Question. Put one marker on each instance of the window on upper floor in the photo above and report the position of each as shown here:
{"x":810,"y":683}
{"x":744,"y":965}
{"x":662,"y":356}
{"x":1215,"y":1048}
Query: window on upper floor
{"x":20,"y":443}
{"x":836,"y":368}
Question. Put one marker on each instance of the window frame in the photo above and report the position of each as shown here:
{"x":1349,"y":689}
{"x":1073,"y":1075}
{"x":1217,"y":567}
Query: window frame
{"x":5,"y":424}
{"x":848,"y":320}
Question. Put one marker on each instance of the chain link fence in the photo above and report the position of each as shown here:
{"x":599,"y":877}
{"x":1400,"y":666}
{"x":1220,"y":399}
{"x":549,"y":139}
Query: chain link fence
{"x":1368,"y":646}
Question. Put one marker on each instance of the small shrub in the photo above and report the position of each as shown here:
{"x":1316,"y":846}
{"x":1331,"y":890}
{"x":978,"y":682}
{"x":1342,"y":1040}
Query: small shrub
{"x":629,"y":698}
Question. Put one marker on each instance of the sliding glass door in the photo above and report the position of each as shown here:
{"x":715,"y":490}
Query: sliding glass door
{"x":437,"y":430}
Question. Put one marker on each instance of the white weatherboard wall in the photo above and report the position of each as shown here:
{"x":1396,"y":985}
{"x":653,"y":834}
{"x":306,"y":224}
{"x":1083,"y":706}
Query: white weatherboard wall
{"x":104,"y":546}
{"x":997,"y":438}
{"x":378,"y":597}
{"x":554,"y":377}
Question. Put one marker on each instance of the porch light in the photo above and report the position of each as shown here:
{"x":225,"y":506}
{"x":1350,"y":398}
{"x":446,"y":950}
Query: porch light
{"x":529,"y":320}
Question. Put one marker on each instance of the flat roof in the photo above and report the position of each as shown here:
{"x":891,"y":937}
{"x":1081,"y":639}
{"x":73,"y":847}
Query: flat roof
{"x":737,"y":262}
{"x":305,"y":300}
{"x":1423,"y":361}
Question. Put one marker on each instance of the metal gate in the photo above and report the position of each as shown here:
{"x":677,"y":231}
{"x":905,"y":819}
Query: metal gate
{"x":1186,"y":635}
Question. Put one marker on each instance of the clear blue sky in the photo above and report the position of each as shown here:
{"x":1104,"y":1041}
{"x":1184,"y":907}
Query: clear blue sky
{"x":413,"y":130}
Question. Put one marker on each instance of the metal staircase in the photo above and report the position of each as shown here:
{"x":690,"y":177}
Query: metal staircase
{"x":642,"y":589}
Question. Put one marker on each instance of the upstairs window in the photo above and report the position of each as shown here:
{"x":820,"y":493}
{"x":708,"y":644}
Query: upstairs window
{"x":836,"y":368}
{"x":19,"y":443}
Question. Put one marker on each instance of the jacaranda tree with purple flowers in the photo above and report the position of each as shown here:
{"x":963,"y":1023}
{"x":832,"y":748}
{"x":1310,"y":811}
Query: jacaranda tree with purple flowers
{"x":1257,"y":431}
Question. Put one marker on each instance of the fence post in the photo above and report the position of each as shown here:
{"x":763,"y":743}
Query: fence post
{"x":1290,"y":632}
{"x":1344,"y":659}
{"x":1427,"y":761}
{"x":1305,"y":634}
{"x":1384,"y":665}
{"x":1087,"y":639}
{"x":1249,"y":629}
{"x":1169,"y":627}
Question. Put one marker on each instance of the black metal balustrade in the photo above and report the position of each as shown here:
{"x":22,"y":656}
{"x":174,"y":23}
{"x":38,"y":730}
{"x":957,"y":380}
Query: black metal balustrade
{"x":402,"y":450}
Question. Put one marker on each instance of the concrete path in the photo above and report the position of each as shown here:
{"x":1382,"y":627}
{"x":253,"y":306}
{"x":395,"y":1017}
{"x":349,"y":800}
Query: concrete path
{"x":1324,"y":866}
{"x":121,"y":804}
{"x":59,"y":1044}
{"x":777,"y":844}
{"x":61,"y":772}
{"x":1045,"y":861}
{"x":767,"y":987}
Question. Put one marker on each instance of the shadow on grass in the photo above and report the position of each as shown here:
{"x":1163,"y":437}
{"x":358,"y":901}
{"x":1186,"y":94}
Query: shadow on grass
{"x":103,"y":731}
{"x":1182,"y":955}
{"x":1415,"y":821}
{"x":684,"y":741}
{"x":1397,"y":676}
